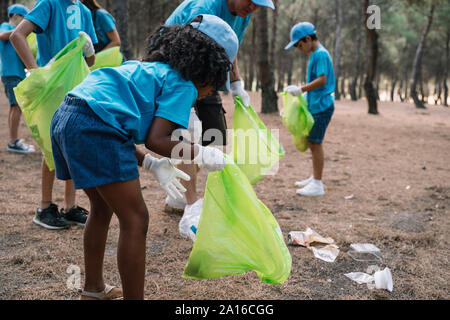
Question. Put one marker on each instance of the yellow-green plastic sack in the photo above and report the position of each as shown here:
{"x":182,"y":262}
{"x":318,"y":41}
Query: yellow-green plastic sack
{"x":41,"y":94}
{"x":111,"y":57}
{"x":32,"y":43}
{"x":237,"y":232}
{"x":255,"y":149}
{"x":297,"y":119}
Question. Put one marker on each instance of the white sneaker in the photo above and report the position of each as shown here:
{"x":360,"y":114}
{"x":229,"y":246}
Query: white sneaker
{"x":189,"y":222}
{"x":313,"y":189}
{"x":304,"y":182}
{"x":174,"y":206}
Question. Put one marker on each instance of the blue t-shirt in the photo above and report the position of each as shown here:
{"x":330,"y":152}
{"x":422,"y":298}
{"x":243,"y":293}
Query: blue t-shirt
{"x":320,"y":64}
{"x":59,"y":22}
{"x":189,"y":9}
{"x":130,"y":96}
{"x":11,"y":64}
{"x":104,"y":23}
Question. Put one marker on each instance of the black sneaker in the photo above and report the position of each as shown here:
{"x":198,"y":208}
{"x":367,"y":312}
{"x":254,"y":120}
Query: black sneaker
{"x":49,"y":218}
{"x":76,"y":215}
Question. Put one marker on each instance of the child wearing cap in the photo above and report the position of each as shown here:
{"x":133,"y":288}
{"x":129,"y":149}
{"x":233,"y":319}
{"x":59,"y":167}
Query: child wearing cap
{"x":56,"y":23}
{"x":12,"y":71}
{"x":95,"y":130}
{"x":213,"y":126}
{"x":320,"y":87}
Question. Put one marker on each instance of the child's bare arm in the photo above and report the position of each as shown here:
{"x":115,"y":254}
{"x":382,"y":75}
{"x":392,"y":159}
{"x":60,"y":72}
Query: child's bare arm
{"x":4,"y":36}
{"x":319,"y":82}
{"x":19,"y":40}
{"x":159,"y":139}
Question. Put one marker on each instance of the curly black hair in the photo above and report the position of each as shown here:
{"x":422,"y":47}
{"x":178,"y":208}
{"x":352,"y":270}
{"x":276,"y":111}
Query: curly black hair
{"x":196,"y":56}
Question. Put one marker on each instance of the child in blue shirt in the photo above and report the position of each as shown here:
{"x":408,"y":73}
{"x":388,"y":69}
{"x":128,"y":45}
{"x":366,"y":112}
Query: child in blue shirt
{"x":95,"y":130}
{"x":105,"y":26}
{"x":12,"y":73}
{"x":237,"y":13}
{"x":320,"y":87}
{"x":56,"y":23}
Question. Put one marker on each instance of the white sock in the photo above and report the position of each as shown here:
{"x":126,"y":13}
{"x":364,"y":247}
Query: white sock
{"x":318,"y":182}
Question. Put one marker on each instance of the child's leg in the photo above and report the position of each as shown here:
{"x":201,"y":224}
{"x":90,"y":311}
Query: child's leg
{"x":318,"y":159}
{"x":69,"y":195}
{"x":95,"y":235}
{"x":125,"y":199}
{"x":14,"y":120}
{"x":47,"y":180}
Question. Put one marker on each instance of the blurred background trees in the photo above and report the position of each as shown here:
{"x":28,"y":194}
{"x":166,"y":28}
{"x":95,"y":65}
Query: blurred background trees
{"x":412,"y":47}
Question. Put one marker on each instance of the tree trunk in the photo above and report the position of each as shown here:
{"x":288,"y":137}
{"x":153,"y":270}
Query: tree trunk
{"x":394,"y":83}
{"x":357,"y":62}
{"x":120,"y":12}
{"x":4,"y":10}
{"x":337,"y":48}
{"x":446,"y":69}
{"x":399,"y":91}
{"x":372,"y":35}
{"x":251,"y":78}
{"x":418,"y":59}
{"x":269,"y":96}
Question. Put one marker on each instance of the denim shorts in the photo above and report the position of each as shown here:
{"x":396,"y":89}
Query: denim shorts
{"x":321,"y":122}
{"x":88,"y":150}
{"x":10,"y":83}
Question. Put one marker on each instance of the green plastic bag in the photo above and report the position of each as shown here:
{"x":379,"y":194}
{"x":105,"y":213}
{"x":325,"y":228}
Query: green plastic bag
{"x":255,"y":149}
{"x":32,"y":43}
{"x":237,"y":232}
{"x":111,"y":57}
{"x":41,"y":94}
{"x":297,"y":119}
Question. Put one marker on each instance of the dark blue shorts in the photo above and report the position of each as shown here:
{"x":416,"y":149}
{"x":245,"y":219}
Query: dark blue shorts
{"x":321,"y":122}
{"x":10,"y":83}
{"x":88,"y":150}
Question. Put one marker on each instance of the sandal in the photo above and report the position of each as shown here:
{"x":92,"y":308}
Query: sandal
{"x":106,"y":294}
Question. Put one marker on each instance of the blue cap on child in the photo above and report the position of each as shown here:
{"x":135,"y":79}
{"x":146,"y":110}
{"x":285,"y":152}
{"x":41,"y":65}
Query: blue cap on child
{"x":299,"y":31}
{"x":264,"y":3}
{"x":221,"y":32}
{"x":18,"y":9}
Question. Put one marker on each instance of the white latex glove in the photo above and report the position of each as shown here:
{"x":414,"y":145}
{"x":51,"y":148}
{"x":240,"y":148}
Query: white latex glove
{"x":88,"y":49}
{"x":166,"y":174}
{"x":294,"y":90}
{"x":210,"y":158}
{"x":238,"y":91}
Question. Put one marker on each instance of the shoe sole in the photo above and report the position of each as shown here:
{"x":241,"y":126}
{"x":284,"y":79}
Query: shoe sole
{"x":169,"y":209}
{"x":72,"y":223}
{"x":316,"y":195}
{"x":20,"y":151}
{"x":48,"y":226}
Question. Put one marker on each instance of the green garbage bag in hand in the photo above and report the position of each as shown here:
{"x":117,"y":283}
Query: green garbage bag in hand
{"x":111,"y":57}
{"x":237,"y":232}
{"x":41,"y":94}
{"x":255,"y":149}
{"x":297,"y":119}
{"x":32,"y":43}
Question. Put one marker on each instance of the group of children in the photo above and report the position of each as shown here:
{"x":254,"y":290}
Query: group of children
{"x":96,"y":128}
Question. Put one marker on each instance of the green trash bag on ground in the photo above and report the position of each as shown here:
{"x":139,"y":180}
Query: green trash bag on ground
{"x":237,"y":232}
{"x":255,"y":149}
{"x":297,"y":119}
{"x":32,"y":43}
{"x":41,"y":94}
{"x":111,"y":57}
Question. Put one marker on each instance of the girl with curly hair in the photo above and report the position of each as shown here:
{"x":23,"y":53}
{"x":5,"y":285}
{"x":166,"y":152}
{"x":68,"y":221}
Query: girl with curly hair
{"x":95,"y":130}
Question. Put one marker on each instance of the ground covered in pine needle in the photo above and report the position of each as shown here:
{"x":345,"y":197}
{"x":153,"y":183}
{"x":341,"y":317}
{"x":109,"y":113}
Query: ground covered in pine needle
{"x":396,"y":166}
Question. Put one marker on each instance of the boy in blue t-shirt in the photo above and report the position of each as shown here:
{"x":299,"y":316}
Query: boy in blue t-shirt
{"x":237,"y":13}
{"x":56,"y":23}
{"x":12,"y":73}
{"x":320,"y":87}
